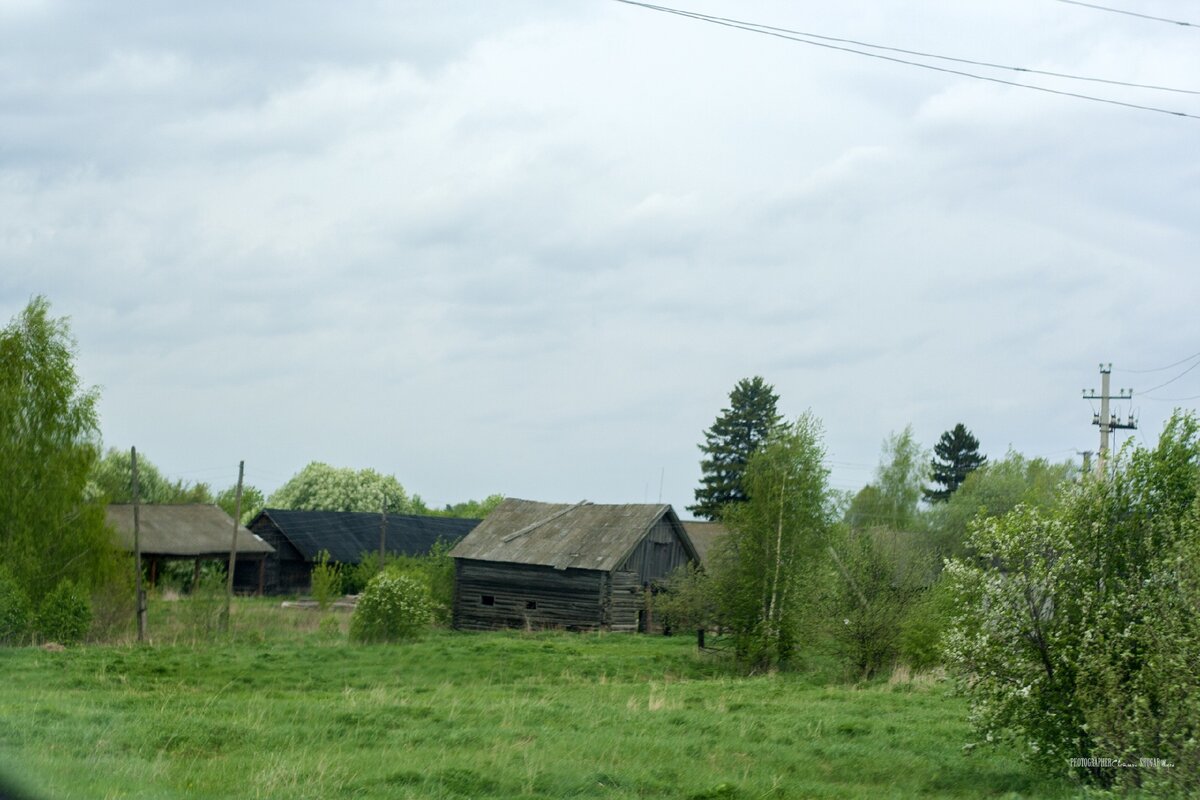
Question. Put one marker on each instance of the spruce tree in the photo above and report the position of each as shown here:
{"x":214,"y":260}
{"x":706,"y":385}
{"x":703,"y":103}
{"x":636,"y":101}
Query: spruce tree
{"x":737,"y":433}
{"x":956,"y":455}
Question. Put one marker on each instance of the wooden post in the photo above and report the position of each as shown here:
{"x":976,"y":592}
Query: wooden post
{"x":383,"y":535}
{"x":237,"y":513}
{"x":137,"y":551}
{"x":699,"y":638}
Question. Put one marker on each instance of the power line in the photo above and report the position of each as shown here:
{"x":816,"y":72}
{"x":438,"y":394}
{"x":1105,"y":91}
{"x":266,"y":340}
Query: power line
{"x":1160,"y":369}
{"x":922,"y":54}
{"x":1130,"y":13}
{"x":1173,"y":399}
{"x":1177,"y":377}
{"x":780,"y":34}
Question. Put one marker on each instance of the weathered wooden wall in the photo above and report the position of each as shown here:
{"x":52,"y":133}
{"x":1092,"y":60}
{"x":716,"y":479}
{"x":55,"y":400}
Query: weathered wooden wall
{"x":659,"y":553}
{"x":286,"y":570}
{"x":542,"y":597}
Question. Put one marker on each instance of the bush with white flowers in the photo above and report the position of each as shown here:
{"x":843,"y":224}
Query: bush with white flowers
{"x":394,"y":607}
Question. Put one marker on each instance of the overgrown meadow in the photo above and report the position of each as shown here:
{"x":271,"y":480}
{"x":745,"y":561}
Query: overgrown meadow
{"x":286,"y":707}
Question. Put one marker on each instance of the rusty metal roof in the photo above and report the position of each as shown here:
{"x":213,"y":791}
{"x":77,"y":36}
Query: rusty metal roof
{"x":580,"y":536}
{"x":183,"y":531}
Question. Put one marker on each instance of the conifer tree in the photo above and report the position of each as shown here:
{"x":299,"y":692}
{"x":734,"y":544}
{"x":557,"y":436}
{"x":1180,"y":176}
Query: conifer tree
{"x":956,"y":455}
{"x":736,"y":434}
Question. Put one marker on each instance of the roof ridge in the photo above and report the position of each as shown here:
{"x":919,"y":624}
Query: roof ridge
{"x":535,"y":525}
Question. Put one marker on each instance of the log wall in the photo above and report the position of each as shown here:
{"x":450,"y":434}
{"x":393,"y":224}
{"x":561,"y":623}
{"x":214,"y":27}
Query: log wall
{"x":658,"y":554}
{"x":490,"y":595}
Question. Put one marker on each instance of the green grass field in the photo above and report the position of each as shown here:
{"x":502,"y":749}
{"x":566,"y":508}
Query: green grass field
{"x":289,"y":710}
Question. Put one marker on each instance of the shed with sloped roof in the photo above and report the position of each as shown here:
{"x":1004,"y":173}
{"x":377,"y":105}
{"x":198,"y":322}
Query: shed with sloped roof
{"x":194,"y":532}
{"x":579,"y":567}
{"x":299,"y":537}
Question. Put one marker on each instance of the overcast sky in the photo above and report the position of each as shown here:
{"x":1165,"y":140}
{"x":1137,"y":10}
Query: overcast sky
{"x":529,"y":247}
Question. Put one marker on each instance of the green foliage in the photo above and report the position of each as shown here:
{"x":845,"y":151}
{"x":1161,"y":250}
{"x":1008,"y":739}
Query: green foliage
{"x":737,"y":433}
{"x":924,"y":626}
{"x":394,"y":607}
{"x":15,"y":611}
{"x":1075,"y":626}
{"x":64,"y":615}
{"x":435,"y":570}
{"x":766,"y":568}
{"x":320,"y":487}
{"x":112,"y":479}
{"x":471,"y":509}
{"x":892,"y":500}
{"x":688,"y":600}
{"x":49,"y":528}
{"x":252,"y":502}
{"x":877,"y":575}
{"x":991,"y":491}
{"x":956,"y":455}
{"x":326,"y":581}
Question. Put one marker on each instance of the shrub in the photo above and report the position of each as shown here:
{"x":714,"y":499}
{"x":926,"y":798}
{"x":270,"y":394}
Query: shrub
{"x":326,"y":581}
{"x":392,"y":608}
{"x":924,"y":627}
{"x":65,"y":615}
{"x":14,"y":610}
{"x":1074,"y":631}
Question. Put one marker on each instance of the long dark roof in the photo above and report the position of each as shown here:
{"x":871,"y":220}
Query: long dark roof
{"x":582,"y":536}
{"x":183,"y":531}
{"x":349,"y":534}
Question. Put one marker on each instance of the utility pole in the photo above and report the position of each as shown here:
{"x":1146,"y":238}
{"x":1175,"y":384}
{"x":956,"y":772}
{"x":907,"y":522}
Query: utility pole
{"x":137,"y":550}
{"x":382,"y":534}
{"x":237,"y":515}
{"x":1108,"y":422}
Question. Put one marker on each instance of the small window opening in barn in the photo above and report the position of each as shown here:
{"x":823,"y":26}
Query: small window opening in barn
{"x":488,"y":600}
{"x":530,"y":605}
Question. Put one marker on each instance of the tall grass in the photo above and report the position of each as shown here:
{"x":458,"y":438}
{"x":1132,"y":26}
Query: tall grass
{"x":284,"y":710}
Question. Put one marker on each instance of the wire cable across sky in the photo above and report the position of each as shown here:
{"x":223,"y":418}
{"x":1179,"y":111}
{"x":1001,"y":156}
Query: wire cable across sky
{"x":828,"y":42}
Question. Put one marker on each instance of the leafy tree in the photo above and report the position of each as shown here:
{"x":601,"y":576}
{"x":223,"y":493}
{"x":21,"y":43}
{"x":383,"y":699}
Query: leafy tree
{"x":1075,"y":631}
{"x":112,"y":478}
{"x":471,"y":509}
{"x":736,"y":434}
{"x":892,"y":500}
{"x":766,"y":568}
{"x":956,"y":455}
{"x":50,"y":530}
{"x":320,"y":487}
{"x":877,"y":576}
{"x":992,"y":491}
{"x":252,"y":502}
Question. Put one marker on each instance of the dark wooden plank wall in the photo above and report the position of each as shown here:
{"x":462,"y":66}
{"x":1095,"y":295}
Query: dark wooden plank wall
{"x":660,"y":552}
{"x":570,"y":598}
{"x":286,"y":570}
{"x":624,"y":601}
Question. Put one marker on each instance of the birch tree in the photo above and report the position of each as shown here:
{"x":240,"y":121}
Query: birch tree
{"x":766,"y":569}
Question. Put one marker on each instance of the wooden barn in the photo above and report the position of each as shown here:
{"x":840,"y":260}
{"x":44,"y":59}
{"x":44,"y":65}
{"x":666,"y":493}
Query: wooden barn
{"x":704,"y":535}
{"x":299,"y":537}
{"x":189,"y":532}
{"x":579,"y":567}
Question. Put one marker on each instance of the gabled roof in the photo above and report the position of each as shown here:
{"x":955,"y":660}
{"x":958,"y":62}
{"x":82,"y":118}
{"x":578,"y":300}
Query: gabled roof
{"x":183,"y":531}
{"x":349,"y":534}
{"x":704,"y":535}
{"x":580,"y":536}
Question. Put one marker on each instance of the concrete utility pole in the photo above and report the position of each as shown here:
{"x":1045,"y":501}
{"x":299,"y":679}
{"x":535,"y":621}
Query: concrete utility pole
{"x":1108,"y":422}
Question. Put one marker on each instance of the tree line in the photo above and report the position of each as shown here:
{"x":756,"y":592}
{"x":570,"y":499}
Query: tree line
{"x":1063,"y":604}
